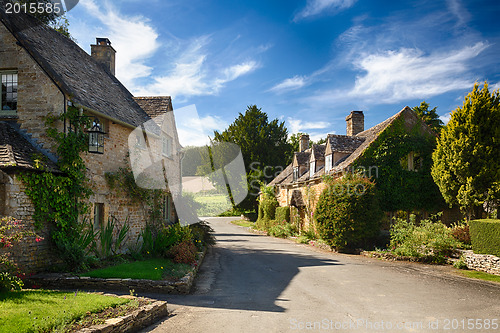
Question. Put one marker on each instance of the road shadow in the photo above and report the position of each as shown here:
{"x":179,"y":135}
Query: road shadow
{"x":245,"y":278}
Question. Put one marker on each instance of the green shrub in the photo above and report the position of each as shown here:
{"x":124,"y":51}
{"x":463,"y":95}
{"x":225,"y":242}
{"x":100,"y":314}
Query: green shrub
{"x":461,"y":232}
{"x":9,"y":282}
{"x":485,"y":236}
{"x":429,"y":240}
{"x":282,"y":214}
{"x":460,"y":264}
{"x":282,"y":230}
{"x":267,"y":211}
{"x":158,"y":243}
{"x":184,"y":252}
{"x":347,"y":213}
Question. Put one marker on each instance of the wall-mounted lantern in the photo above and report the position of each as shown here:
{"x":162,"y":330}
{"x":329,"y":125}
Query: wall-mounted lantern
{"x":96,"y":137}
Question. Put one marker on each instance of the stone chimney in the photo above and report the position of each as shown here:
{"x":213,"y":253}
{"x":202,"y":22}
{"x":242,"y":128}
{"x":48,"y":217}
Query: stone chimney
{"x":104,"y":53}
{"x":355,"y":123}
{"x":303,"y":142}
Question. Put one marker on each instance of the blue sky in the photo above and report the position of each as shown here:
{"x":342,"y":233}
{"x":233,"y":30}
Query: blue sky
{"x":306,"y":62}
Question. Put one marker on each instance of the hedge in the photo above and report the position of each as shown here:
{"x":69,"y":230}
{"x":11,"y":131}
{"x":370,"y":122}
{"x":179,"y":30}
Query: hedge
{"x":282,"y":214}
{"x":347,"y":214}
{"x":485,"y":236}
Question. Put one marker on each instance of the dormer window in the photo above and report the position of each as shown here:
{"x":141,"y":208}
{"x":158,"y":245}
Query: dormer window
{"x":8,"y":93}
{"x":312,"y":169}
{"x":328,"y":163}
{"x":96,"y":137}
{"x":295,"y":173}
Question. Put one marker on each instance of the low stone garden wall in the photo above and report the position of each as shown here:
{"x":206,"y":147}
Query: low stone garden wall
{"x":68,"y":281}
{"x":482,"y":262}
{"x":133,"y":322}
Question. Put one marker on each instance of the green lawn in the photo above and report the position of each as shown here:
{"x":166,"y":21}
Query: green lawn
{"x":151,"y":269}
{"x":481,"y":275}
{"x":212,"y":204}
{"x":244,"y":223}
{"x":43,"y":310}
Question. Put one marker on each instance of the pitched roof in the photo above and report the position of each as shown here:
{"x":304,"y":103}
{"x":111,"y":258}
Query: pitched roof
{"x":363,"y":140}
{"x":155,"y":105}
{"x":76,"y":73}
{"x":302,"y":157}
{"x":318,"y":152}
{"x":284,"y":176}
{"x":344,"y":143}
{"x":18,"y":153}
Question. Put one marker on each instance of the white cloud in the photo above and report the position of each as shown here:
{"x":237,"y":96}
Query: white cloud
{"x":297,"y":125}
{"x":191,"y":73}
{"x":316,"y":7}
{"x":394,"y":76}
{"x":457,"y":9}
{"x":445,"y":118}
{"x":293,"y":83}
{"x":194,"y":130}
{"x":493,"y":87}
{"x":134,"y":39}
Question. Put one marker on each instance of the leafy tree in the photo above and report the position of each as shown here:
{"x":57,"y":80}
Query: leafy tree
{"x":263,"y":144}
{"x":430,"y":117}
{"x":193,"y":157}
{"x":57,"y":22}
{"x":466,"y":165}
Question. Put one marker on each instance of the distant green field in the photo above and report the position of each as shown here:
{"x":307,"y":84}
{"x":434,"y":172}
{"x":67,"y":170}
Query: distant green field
{"x":213,"y":204}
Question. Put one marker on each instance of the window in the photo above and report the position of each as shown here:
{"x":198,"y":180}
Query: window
{"x":412,"y":162}
{"x":96,"y":137}
{"x":8,"y":95}
{"x":167,"y":208}
{"x":98,"y":216}
{"x":328,"y":163}
{"x":166,"y":146}
{"x":312,"y":169}
{"x":295,"y":173}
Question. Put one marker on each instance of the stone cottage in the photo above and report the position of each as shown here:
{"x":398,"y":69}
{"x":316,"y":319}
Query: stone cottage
{"x":300,"y":184}
{"x":44,"y":72}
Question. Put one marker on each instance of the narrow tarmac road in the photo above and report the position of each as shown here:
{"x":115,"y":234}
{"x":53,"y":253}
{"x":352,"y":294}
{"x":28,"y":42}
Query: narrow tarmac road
{"x":254,"y":283}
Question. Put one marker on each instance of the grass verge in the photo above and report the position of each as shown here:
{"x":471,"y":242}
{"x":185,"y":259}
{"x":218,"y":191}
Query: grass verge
{"x":480,"y":275}
{"x":151,"y":269}
{"x":244,"y":223}
{"x":44,"y":310}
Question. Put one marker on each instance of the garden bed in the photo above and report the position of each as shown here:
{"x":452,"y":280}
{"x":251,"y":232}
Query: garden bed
{"x":70,"y":281}
{"x":46,"y":310}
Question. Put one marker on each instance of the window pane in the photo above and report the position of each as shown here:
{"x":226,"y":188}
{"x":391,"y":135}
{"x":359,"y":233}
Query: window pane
{"x":9,"y":92}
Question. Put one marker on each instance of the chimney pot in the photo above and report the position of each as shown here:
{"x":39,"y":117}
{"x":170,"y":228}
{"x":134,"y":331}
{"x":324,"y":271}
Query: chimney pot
{"x":104,"y":53}
{"x":355,"y":123}
{"x":303,"y":142}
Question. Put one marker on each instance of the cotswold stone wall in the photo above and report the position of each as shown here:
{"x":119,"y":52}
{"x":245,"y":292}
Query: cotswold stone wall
{"x":29,"y":255}
{"x":482,"y":262}
{"x":310,"y":196}
{"x":37,"y":95}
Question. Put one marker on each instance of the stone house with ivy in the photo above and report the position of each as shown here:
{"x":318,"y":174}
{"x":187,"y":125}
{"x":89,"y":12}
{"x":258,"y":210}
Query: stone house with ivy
{"x":396,"y":154}
{"x":44,"y":73}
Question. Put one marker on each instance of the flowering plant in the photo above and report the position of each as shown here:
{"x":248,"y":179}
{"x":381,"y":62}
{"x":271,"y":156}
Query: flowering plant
{"x":12,"y":231}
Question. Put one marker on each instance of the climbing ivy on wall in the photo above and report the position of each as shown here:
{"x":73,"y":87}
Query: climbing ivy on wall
{"x":399,"y":188}
{"x":59,"y":198}
{"x":124,"y":180}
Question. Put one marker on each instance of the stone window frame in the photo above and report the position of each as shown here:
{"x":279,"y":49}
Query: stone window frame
{"x":167,"y":207}
{"x":296,"y":175}
{"x":167,"y":145}
{"x":328,"y":162}
{"x":98,"y":215}
{"x":312,"y":169}
{"x":9,"y":72}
